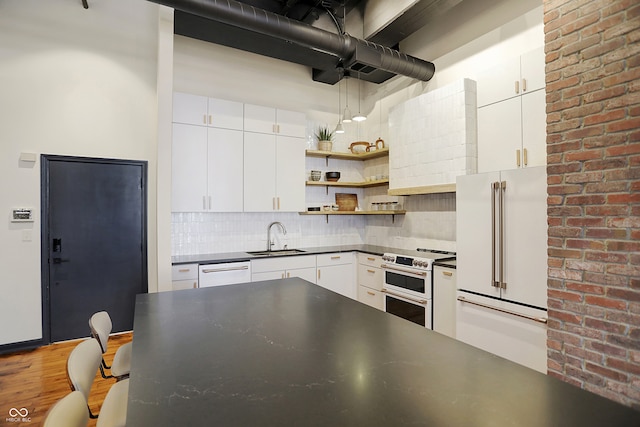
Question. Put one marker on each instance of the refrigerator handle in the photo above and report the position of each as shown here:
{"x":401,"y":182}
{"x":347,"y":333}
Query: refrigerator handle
{"x":494,"y":190}
{"x":503,"y":187}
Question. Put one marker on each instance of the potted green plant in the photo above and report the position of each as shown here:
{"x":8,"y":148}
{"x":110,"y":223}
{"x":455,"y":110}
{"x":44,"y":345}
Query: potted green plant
{"x":325,"y":138}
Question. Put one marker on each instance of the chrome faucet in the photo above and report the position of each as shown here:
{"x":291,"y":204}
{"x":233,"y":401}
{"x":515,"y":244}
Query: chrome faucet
{"x":269,"y":241}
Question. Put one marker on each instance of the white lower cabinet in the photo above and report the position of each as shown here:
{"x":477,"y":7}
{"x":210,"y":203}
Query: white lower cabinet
{"x":303,"y":267}
{"x":184,"y":276}
{"x":444,"y":300}
{"x":370,"y":280}
{"x":335,"y":271}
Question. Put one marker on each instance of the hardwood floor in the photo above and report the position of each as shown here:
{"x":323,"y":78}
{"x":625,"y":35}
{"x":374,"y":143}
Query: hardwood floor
{"x":36,"y":379}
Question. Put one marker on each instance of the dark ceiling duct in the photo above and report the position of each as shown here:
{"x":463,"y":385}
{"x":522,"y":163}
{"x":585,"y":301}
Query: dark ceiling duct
{"x":358,"y":56}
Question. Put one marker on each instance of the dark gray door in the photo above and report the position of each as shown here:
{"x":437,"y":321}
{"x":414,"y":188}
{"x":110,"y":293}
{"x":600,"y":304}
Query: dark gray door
{"x":94,"y":242}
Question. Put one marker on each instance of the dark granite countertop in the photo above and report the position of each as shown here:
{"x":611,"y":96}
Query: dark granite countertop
{"x":290,"y":353}
{"x":218,"y":258}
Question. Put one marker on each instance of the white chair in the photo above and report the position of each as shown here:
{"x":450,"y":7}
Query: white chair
{"x":114,"y":408}
{"x":100,"y":325}
{"x":82,"y":366}
{"x":70,"y":411}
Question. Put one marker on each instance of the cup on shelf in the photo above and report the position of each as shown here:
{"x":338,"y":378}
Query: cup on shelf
{"x":316,"y":175}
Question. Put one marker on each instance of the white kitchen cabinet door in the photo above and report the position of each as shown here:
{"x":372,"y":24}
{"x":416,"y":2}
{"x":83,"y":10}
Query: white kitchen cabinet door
{"x":291,"y":123}
{"x":336,"y":272}
{"x":444,"y":300}
{"x":532,"y":70}
{"x":499,"y":135}
{"x":225,"y":114}
{"x":290,"y":174}
{"x":189,"y":109}
{"x":259,"y":119}
{"x":499,"y":82}
{"x":308,"y":274}
{"x":534,"y":128}
{"x":225,"y":173}
{"x":267,"y":275}
{"x":189,"y":168}
{"x":259,"y":172}
{"x":525,"y":224}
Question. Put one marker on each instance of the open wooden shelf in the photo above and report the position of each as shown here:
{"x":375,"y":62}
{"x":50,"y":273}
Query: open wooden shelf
{"x":363,"y":184}
{"x":349,"y":156}
{"x":426,"y":189}
{"x":332,"y":213}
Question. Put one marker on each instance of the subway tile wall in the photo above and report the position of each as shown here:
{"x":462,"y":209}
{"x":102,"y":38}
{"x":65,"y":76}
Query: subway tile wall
{"x":434,"y":136}
{"x":429,"y":223}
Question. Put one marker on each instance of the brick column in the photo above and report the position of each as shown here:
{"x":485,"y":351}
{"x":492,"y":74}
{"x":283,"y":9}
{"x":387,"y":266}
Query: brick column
{"x":593,"y":154}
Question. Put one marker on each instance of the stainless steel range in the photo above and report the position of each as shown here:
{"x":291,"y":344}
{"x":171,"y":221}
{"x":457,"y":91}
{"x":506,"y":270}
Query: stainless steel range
{"x":408,"y":284}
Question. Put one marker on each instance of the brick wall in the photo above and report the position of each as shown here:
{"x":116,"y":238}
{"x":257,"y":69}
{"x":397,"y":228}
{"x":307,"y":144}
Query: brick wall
{"x":593,"y":153}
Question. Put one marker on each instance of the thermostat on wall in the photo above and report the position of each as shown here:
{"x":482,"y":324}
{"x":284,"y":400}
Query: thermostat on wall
{"x":22,"y":215}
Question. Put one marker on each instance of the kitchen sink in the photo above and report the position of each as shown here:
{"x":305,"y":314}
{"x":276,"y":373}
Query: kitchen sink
{"x":276,"y":252}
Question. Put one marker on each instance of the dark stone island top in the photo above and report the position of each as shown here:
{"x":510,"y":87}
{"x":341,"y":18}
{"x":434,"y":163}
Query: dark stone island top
{"x":290,"y":353}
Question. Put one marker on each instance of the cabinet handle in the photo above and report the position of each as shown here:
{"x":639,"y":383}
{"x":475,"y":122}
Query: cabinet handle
{"x":524,"y":85}
{"x":371,"y":271}
{"x":220,"y":270}
{"x":518,"y":158}
{"x":318,"y":274}
{"x":371,"y":293}
{"x":204,"y":119}
{"x":278,"y":202}
{"x":282,"y":276}
{"x":204,"y":203}
{"x":517,"y":88}
{"x":274,"y":128}
{"x":195,"y":285}
{"x":210,"y":119}
{"x":273,"y":203}
{"x":184,"y":270}
{"x":371,"y":259}
{"x":209,"y":202}
{"x":524,"y":157}
{"x":335,"y":257}
{"x":447,"y":273}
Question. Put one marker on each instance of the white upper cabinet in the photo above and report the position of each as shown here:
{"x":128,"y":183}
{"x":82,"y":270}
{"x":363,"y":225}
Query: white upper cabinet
{"x":274,"y":121}
{"x":512,"y":114}
{"x":274,"y":165}
{"x":274,"y":173}
{"x":512,"y":77}
{"x":190,"y":109}
{"x":202,"y":111}
{"x":259,"y":119}
{"x":189,"y":168}
{"x":206,"y":169}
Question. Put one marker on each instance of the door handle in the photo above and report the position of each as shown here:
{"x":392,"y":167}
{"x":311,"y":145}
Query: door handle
{"x":60,"y":260}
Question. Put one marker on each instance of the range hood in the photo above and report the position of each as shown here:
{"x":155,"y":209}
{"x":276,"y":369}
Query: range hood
{"x":328,"y":53}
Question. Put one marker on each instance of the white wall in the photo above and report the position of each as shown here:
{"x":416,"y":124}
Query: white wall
{"x":74,"y":82}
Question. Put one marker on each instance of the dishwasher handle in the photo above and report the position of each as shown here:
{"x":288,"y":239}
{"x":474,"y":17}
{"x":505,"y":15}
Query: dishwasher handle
{"x":220,"y":270}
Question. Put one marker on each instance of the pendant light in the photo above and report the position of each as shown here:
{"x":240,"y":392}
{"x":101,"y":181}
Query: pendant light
{"x":359,"y":117}
{"x":346,"y":116}
{"x":339,"y":127}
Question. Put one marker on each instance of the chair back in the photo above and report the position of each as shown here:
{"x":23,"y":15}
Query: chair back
{"x":70,"y":411}
{"x":100,"y":325}
{"x":82,"y":366}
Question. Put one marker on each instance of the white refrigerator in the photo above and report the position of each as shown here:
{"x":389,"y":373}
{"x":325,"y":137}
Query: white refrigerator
{"x":501,"y":222}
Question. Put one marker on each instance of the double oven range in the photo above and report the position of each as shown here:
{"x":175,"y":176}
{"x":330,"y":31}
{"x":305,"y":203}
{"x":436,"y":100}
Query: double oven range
{"x":408,"y":284}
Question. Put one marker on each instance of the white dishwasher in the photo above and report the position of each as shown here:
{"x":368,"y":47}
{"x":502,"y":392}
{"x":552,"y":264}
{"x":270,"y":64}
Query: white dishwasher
{"x":224,"y":274}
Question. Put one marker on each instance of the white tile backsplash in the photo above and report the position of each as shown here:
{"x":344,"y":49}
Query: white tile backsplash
{"x":428,"y":223}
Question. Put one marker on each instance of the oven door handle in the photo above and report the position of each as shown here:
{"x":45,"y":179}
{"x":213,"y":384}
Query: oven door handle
{"x":417,"y":301}
{"x":404,"y":270}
